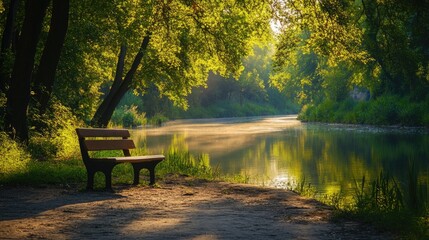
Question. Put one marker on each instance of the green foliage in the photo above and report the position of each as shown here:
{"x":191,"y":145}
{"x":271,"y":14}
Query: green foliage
{"x":383,"y":195}
{"x":72,"y":172}
{"x":336,"y":84}
{"x":388,"y":205}
{"x":385,"y":110}
{"x":42,"y":148}
{"x":128,"y":117}
{"x":383,"y":202}
{"x":182,"y":162}
{"x":54,"y":134}
{"x":304,"y":188}
{"x":222,"y":109}
{"x":324,"y":49}
{"x":14,"y":157}
{"x":249,"y":95}
{"x":158,"y":119}
{"x":188,"y":39}
{"x":60,"y":172}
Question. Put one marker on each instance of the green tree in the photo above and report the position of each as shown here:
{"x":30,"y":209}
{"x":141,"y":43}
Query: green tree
{"x":378,"y":45}
{"x":182,"y":42}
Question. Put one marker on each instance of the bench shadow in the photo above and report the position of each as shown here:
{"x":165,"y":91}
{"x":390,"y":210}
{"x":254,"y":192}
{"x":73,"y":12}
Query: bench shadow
{"x":25,"y":202}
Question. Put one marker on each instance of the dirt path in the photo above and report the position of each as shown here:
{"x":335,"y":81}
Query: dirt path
{"x":179,"y":208}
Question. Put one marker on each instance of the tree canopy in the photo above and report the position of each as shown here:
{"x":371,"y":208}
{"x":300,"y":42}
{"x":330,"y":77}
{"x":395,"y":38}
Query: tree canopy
{"x":379,"y":45}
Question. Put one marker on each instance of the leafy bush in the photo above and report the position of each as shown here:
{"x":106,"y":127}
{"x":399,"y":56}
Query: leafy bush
{"x":410,"y":113}
{"x":385,"y":110}
{"x":158,"y":119}
{"x":307,"y":113}
{"x":54,"y":136}
{"x":14,"y":157}
{"x":128,"y":117}
{"x":324,"y":112}
{"x":42,"y":148}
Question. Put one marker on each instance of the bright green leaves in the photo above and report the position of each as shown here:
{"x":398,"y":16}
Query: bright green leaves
{"x":328,"y":28}
{"x":375,"y":44}
{"x":189,"y":38}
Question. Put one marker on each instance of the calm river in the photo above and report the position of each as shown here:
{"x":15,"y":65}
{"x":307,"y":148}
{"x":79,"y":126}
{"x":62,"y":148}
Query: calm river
{"x":278,"y":151}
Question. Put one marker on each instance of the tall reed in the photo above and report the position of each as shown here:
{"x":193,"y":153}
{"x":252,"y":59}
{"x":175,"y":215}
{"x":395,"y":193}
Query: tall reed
{"x":392,"y":206}
{"x":383,"y":194}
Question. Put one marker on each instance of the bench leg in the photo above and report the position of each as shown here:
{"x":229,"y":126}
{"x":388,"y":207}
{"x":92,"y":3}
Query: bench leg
{"x":136,"y":174}
{"x":152,"y":174}
{"x":108,"y":178}
{"x":90,"y":179}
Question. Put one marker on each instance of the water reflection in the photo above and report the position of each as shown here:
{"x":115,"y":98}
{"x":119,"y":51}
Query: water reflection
{"x":280,"y":150}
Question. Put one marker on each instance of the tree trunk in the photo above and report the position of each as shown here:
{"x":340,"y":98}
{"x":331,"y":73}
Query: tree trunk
{"x":19,"y":91}
{"x":115,"y":86}
{"x":44,"y":80}
{"x":6,"y":43}
{"x":115,"y":94}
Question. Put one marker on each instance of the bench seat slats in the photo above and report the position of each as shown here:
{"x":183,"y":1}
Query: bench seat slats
{"x":133,"y":159}
{"x":104,"y":132}
{"x":109,"y":144}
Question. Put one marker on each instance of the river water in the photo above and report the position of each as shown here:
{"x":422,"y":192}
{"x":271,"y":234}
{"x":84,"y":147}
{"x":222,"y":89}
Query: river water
{"x":281,"y":151}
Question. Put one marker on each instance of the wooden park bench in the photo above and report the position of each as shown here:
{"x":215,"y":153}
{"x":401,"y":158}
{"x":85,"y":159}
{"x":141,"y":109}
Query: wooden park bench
{"x":100,"y":139}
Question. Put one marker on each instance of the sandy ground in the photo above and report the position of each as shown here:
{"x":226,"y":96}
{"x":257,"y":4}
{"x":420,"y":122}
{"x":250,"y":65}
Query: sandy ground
{"x":178,"y":208}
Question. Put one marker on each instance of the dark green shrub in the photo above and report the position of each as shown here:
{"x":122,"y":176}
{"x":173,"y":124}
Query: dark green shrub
{"x":158,"y":119}
{"x":361,"y":112}
{"x":326,"y":111}
{"x":42,"y":148}
{"x":308,"y":113}
{"x":410,"y":113}
{"x":128,"y":117}
{"x":54,"y":135}
{"x":384,"y":111}
{"x":128,"y":120}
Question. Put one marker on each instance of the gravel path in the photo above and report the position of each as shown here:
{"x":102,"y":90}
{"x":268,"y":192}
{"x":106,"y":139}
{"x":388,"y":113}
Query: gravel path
{"x":179,"y":208}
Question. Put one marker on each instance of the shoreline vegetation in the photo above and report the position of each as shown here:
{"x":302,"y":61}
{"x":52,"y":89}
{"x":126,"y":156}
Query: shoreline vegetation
{"x":387,"y":110}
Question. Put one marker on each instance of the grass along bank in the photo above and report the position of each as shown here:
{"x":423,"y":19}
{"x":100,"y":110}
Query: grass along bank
{"x":383,"y":202}
{"x":72,"y":172}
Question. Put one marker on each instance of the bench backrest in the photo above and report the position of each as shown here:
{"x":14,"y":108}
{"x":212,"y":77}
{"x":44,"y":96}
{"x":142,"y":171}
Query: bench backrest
{"x":97,"y":139}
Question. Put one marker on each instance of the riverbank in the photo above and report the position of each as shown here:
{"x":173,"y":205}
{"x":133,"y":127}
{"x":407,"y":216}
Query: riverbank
{"x":178,"y":208}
